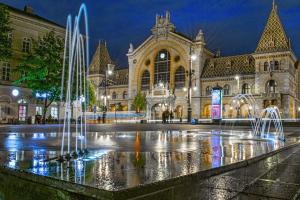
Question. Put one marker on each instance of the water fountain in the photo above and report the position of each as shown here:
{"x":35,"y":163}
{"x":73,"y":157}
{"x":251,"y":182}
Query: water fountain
{"x":260,"y":121}
{"x":74,"y":74}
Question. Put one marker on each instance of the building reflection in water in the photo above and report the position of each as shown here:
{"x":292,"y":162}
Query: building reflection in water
{"x":126,"y":159}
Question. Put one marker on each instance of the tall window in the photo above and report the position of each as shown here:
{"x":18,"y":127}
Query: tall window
{"x":271,"y":86}
{"x":208,"y":91}
{"x":226,"y":89}
{"x":22,"y":112}
{"x":276,"y":65}
{"x":114,"y":95}
{"x":245,"y":88}
{"x":26,"y":45}
{"x":124,"y":95}
{"x":9,"y":36}
{"x":266,"y":66}
{"x":38,"y":110}
{"x":54,"y":112}
{"x":180,"y":77}
{"x":5,"y":71}
{"x":162,"y":67}
{"x":145,"y":82}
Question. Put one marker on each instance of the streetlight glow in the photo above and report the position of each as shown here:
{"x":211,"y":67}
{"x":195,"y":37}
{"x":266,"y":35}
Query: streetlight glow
{"x":184,"y":89}
{"x":109,"y":72}
{"x":195,"y":88}
{"x":237,"y":77}
{"x":193,"y":57}
{"x":15,"y":92}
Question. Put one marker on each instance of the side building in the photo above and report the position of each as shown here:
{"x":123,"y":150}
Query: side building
{"x":26,"y":26}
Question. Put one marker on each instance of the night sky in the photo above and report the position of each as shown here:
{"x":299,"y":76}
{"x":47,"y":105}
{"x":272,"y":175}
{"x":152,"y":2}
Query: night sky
{"x":233,"y":26}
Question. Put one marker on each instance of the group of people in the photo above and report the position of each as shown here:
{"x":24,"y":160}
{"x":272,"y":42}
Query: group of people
{"x":167,"y":116}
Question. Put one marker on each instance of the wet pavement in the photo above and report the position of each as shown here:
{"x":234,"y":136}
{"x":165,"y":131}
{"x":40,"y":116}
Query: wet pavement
{"x":120,"y":160}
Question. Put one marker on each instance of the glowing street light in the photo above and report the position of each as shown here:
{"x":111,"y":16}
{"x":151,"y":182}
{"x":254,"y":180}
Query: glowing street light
{"x":237,"y":78}
{"x":184,"y":89}
{"x":15,"y":92}
{"x":193,"y":57}
{"x":195,"y":88}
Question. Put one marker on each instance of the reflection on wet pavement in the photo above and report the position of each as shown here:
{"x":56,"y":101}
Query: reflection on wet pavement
{"x":119,"y":160}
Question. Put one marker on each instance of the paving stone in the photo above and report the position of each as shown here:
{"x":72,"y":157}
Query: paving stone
{"x":272,"y":189}
{"x":284,"y":173}
{"x":243,"y":196}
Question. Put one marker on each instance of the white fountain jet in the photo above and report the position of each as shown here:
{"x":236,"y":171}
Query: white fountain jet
{"x":74,"y":86}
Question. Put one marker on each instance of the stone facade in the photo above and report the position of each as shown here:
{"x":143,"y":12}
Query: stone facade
{"x":26,"y":26}
{"x":270,"y":73}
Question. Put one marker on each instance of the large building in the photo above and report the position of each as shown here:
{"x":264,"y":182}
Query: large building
{"x":26,"y":26}
{"x":270,"y":73}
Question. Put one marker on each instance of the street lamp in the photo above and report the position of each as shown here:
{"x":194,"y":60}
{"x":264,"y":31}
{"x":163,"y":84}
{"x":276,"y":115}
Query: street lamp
{"x":105,"y":97}
{"x":237,"y":78}
{"x":15,"y":92}
{"x":190,"y":73}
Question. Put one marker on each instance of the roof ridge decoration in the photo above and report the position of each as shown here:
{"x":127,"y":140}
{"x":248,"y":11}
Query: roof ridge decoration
{"x":163,"y":25}
{"x":273,"y":37}
{"x":100,"y":59}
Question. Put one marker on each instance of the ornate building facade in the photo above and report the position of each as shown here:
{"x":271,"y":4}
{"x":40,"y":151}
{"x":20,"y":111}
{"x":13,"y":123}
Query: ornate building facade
{"x":26,"y":26}
{"x":270,"y":73}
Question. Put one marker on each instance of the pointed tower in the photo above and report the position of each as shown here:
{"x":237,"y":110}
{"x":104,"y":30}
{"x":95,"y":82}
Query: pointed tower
{"x":100,"y":59}
{"x":273,"y":38}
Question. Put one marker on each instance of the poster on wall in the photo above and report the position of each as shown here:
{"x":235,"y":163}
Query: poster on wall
{"x":216,"y":103}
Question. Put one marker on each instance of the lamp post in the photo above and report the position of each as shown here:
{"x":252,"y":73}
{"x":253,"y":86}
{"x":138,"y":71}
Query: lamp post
{"x":237,"y":78}
{"x":190,"y":73}
{"x":108,"y":72}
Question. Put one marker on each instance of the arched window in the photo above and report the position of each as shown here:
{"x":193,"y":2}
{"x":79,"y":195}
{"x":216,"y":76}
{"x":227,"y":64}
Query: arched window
{"x":226,"y":89}
{"x":125,"y":95}
{"x":114,"y":95}
{"x":266,"y":66}
{"x":26,"y":45}
{"x":145,"y":82}
{"x":162,"y":67}
{"x":271,"y":86}
{"x":245,"y":88}
{"x":208,"y":91}
{"x":180,"y":77}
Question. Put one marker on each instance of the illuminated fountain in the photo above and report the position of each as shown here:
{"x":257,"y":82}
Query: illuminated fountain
{"x":75,"y":73}
{"x":260,"y":121}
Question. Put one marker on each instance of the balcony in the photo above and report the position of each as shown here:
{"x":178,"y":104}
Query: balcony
{"x":270,"y":95}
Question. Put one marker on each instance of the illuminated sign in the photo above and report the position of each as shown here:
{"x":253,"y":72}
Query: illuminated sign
{"x":216,"y":103}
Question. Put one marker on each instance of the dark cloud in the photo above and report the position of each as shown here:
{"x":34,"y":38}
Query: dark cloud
{"x":234,"y":26}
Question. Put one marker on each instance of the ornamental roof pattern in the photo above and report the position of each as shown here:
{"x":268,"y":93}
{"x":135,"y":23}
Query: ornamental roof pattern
{"x":100,"y":59}
{"x":273,"y":37}
{"x":228,"y":66}
{"x":120,"y":77}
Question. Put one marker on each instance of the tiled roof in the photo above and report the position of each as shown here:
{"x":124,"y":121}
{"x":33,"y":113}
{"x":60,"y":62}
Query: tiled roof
{"x":228,"y":66}
{"x":100,"y":59}
{"x":273,"y":38}
{"x":120,"y":77}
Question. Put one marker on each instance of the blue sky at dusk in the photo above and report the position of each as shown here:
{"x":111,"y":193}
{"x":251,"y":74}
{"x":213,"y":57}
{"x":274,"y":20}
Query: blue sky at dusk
{"x":233,"y":26}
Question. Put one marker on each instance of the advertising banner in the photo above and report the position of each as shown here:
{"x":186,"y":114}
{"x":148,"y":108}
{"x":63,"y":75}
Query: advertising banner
{"x":216,"y":103}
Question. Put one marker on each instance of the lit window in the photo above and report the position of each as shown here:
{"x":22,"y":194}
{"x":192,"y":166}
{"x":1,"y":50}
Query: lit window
{"x":26,"y":45}
{"x":180,"y":77}
{"x":208,"y":90}
{"x":38,"y":110}
{"x":145,"y":82}
{"x":266,"y":66}
{"x":162,"y":67}
{"x":54,"y":112}
{"x":6,"y":72}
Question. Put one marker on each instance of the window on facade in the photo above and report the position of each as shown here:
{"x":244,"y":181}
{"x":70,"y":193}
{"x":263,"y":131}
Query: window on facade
{"x":4,"y":111}
{"x":54,"y":112}
{"x":245,"y":88}
{"x":114,"y":95}
{"x":180,"y":77}
{"x":5,"y":71}
{"x":38,"y":110}
{"x":276,"y":65}
{"x":22,"y":112}
{"x":9,"y":36}
{"x":266,"y":66}
{"x":145,"y":82}
{"x":208,"y":91}
{"x":26,"y":45}
{"x":124,"y":95}
{"x":162,"y":67}
{"x":226,"y":89}
{"x":271,"y":86}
